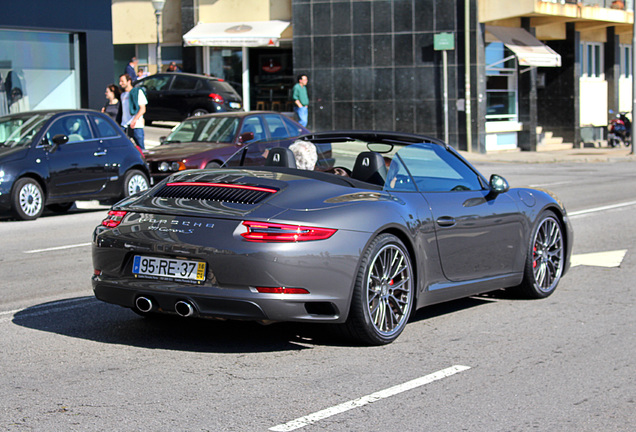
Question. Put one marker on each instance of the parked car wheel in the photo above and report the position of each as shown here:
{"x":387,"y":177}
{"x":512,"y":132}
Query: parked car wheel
{"x":134,"y":182}
{"x":384,"y":292}
{"x":212,"y":164}
{"x":27,"y":199}
{"x":545,"y":259}
{"x":60,"y":207}
{"x":199,"y":112}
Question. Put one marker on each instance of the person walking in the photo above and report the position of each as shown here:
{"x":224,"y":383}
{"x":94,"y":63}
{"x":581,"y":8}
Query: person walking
{"x":133,"y":108}
{"x":113,"y":105}
{"x":301,"y":99}
{"x":131,"y":69}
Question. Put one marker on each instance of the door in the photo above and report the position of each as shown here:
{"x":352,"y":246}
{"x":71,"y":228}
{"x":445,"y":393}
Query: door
{"x":157,"y":92}
{"x":185,"y":97}
{"x":479,"y":234}
{"x":80,"y":166}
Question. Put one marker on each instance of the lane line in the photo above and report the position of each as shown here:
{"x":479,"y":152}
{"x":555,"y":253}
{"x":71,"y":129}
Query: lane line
{"x":364,"y":400}
{"x":54,"y":307}
{"x":551,"y":184}
{"x":57,"y":248}
{"x":600,"y":209}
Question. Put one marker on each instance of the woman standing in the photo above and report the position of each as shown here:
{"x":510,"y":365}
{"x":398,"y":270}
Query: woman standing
{"x":113,"y":105}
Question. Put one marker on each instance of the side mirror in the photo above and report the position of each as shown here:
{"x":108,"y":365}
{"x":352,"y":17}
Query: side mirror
{"x":56,"y":141}
{"x":162,"y":139}
{"x":498,"y":184}
{"x":245,"y":137}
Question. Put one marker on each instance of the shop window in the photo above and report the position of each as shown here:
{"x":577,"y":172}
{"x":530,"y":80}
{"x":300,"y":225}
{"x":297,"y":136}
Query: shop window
{"x":38,"y":70}
{"x":501,"y":83}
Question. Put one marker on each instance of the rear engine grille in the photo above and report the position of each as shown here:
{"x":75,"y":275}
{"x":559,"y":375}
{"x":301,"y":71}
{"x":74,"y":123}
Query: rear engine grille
{"x":221,"y":192}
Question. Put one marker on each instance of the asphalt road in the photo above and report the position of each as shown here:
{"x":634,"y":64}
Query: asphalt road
{"x":491,"y":363}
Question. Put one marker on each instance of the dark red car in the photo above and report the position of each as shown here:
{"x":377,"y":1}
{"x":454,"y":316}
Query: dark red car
{"x":208,"y":141}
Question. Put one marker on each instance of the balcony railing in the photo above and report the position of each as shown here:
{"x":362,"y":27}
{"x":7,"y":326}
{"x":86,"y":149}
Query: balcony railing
{"x":610,"y":4}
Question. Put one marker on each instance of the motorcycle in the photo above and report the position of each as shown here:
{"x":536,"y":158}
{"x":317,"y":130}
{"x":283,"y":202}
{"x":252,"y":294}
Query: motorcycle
{"x":620,"y":131}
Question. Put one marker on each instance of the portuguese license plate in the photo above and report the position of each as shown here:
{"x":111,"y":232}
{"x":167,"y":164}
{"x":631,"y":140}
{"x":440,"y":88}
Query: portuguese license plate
{"x":235,"y":105}
{"x":169,"y":268}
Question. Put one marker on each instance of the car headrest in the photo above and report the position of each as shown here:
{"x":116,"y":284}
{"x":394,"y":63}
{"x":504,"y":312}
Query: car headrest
{"x":282,"y":157}
{"x":370,"y":168}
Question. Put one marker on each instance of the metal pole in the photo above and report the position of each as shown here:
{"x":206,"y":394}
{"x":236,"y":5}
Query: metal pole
{"x":469,"y":129}
{"x":445,"y":63}
{"x":158,"y":15}
{"x":246,"y":78}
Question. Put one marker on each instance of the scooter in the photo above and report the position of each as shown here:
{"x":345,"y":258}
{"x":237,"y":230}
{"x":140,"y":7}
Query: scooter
{"x":620,"y":131}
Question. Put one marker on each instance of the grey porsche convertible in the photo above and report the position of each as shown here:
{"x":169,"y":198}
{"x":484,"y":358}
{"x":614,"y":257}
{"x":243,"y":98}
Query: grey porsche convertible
{"x":356,"y":228}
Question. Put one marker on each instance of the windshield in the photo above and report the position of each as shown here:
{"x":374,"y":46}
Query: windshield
{"x":19,"y":130}
{"x":206,"y":129}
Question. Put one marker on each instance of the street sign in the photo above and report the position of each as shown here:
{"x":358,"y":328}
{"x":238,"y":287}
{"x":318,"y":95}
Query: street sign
{"x":444,"y":41}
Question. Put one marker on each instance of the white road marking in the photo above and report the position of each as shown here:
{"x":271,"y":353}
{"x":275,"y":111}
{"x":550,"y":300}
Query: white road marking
{"x":57,"y":248}
{"x":600,"y":209}
{"x":599,"y":259}
{"x":54,"y":307}
{"x":364,"y":400}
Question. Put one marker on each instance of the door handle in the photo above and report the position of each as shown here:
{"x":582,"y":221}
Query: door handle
{"x":100,"y":153}
{"x":446,"y":221}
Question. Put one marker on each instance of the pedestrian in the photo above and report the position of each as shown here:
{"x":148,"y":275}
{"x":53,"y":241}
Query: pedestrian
{"x":172,"y":67}
{"x":112,"y":107}
{"x":133,"y":108}
{"x":131,"y":67}
{"x":301,"y":99}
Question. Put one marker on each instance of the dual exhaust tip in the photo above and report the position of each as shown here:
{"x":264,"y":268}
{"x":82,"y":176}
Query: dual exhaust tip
{"x":182,"y":307}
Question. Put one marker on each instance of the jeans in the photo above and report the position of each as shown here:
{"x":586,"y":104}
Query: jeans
{"x":137,"y":134}
{"x":303,"y":114}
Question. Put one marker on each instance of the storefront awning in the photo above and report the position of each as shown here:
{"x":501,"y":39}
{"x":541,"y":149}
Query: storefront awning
{"x":236,"y":34}
{"x":529,"y":50}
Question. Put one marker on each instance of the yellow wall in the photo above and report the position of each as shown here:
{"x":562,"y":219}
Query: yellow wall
{"x":211,"y":11}
{"x":490,"y":10}
{"x":134,"y":22}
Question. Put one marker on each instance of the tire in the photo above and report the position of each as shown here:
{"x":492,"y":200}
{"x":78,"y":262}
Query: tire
{"x":545,"y":258}
{"x":199,"y":112}
{"x":134,"y":182}
{"x":60,"y":207}
{"x":384,"y":292}
{"x":27,"y":199}
{"x":212,"y":164}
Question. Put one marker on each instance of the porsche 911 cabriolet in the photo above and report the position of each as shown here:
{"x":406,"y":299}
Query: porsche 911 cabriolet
{"x":361,"y":235}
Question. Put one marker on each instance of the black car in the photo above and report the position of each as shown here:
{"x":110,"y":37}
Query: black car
{"x":54,"y":158}
{"x":176,"y":96}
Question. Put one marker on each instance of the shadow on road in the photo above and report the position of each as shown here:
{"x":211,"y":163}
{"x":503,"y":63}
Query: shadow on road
{"x":90,"y":319}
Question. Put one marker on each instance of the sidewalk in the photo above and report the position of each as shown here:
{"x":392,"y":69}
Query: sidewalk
{"x":580,"y":155}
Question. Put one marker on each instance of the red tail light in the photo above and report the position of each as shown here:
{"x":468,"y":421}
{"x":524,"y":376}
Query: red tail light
{"x":281,"y":290}
{"x":114,"y":218}
{"x":216,"y":98}
{"x":270,"y":232}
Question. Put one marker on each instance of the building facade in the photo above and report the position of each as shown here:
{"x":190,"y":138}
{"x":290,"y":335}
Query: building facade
{"x":537,"y":68}
{"x":54,"y":57}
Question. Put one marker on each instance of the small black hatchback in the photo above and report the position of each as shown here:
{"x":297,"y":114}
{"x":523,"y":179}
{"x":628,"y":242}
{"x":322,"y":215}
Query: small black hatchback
{"x":53,"y":158}
{"x":175,"y":96}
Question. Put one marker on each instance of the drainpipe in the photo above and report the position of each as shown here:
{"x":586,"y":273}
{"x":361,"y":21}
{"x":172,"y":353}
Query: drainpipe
{"x":469,"y":129}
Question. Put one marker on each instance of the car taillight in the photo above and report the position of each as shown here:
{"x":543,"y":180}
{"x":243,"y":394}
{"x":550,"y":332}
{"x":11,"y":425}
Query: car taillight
{"x":281,"y":290}
{"x":216,"y":98}
{"x":114,"y":218}
{"x":270,"y":232}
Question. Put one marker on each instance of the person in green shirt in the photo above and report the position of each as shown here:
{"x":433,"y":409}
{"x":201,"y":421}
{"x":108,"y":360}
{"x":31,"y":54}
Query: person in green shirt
{"x":301,"y":99}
